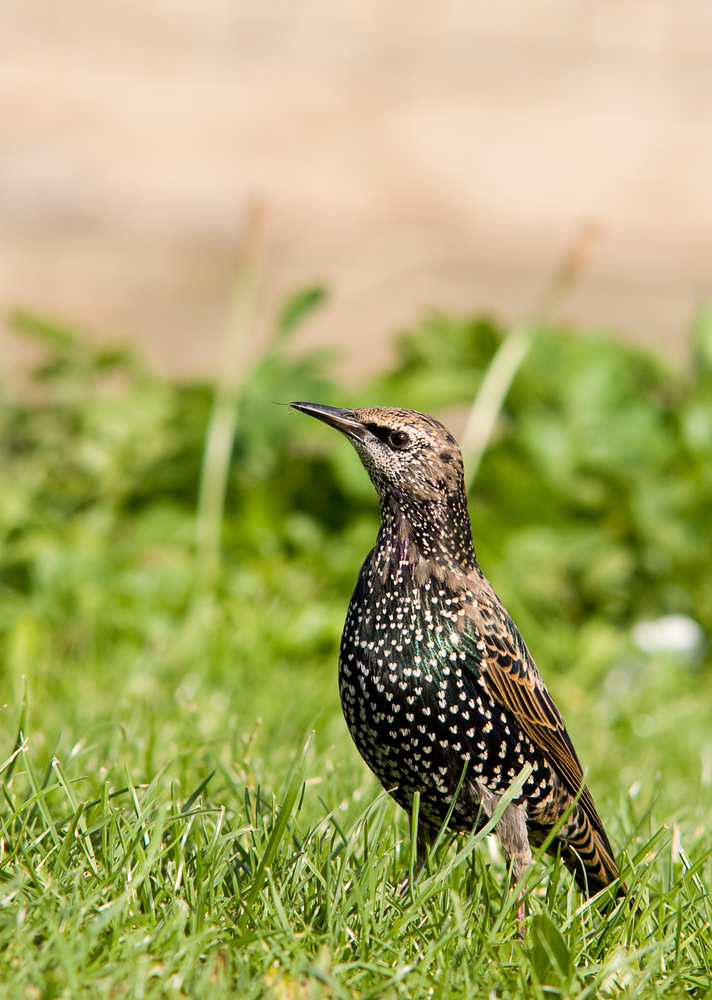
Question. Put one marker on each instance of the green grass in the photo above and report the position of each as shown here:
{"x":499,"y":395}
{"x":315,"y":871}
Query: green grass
{"x":169,"y":828}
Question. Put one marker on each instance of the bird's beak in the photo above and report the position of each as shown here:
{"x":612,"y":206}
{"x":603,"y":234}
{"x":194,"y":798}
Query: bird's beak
{"x":345,"y":421}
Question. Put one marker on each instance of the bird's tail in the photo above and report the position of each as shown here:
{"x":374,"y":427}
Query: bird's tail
{"x":587,"y":853}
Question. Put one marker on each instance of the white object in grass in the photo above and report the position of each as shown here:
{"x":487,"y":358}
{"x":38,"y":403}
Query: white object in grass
{"x":669,"y":634}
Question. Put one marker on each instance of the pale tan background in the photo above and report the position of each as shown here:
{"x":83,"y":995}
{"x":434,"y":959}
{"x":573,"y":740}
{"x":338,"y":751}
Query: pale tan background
{"x":412,"y":154}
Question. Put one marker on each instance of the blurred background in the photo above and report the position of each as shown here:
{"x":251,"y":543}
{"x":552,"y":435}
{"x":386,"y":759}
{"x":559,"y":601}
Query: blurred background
{"x":409,"y":154}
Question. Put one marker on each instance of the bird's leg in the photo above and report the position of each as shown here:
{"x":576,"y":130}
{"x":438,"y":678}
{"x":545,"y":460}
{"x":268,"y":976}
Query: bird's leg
{"x":420,"y":855}
{"x":421,"y":848}
{"x":518,"y":866}
{"x":512,"y":833}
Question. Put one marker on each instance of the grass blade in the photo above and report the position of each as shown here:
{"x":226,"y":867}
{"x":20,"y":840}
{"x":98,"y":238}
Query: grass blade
{"x":223,"y":420}
{"x":280,"y":826}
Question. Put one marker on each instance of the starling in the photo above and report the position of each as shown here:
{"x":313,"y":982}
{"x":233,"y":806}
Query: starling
{"x":434,"y":676}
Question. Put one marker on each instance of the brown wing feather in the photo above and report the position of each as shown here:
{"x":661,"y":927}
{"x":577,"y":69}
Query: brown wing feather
{"x":513,"y":681}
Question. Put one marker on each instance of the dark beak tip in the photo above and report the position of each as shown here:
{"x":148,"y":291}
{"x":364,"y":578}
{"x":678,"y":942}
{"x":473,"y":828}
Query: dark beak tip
{"x":319,"y":410}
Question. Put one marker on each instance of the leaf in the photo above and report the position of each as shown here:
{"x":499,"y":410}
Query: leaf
{"x":295,"y":311}
{"x":49,"y":331}
{"x":551,"y":959}
{"x":702,"y":344}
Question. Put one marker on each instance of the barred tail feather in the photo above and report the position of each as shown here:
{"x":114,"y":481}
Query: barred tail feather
{"x":587,"y":854}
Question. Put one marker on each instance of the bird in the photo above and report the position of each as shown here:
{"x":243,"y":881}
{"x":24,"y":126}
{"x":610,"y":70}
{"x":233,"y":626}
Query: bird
{"x":434,"y":677}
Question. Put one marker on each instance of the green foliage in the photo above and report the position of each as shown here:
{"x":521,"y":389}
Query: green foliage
{"x":152,"y":841}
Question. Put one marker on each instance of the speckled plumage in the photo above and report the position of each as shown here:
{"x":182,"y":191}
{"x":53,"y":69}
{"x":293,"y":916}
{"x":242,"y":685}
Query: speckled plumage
{"x":433,"y":672}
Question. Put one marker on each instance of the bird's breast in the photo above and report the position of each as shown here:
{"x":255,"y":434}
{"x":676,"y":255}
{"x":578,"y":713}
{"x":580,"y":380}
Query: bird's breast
{"x":402,"y":662}
{"x":412,"y":693}
{"x":402,"y":628}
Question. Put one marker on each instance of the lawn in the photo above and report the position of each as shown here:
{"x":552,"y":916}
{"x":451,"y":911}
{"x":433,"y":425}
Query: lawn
{"x":183,"y":813}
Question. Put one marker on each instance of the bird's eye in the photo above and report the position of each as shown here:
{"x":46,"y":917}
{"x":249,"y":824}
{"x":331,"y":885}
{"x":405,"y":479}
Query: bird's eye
{"x":399,"y":440}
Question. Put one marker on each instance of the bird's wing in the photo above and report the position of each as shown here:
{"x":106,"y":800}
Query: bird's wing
{"x":509,"y":676}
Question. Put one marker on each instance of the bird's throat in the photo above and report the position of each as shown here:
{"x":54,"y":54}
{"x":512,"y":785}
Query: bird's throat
{"x":416,"y":543}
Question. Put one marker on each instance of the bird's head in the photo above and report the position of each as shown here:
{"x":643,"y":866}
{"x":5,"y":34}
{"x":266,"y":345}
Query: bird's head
{"x":409,"y":456}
